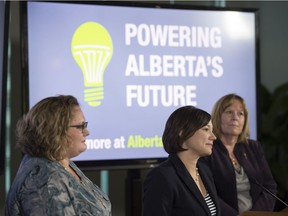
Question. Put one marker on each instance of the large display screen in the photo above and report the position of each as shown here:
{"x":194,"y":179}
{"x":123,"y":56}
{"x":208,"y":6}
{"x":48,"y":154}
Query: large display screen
{"x":4,"y":23}
{"x":132,"y":65}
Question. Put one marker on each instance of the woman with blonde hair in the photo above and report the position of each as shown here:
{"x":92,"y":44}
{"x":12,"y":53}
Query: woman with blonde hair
{"x":47,"y":181}
{"x":238,"y":164}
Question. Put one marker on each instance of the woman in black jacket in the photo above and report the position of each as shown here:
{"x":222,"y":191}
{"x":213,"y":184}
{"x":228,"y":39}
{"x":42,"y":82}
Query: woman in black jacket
{"x":238,"y":163}
{"x":181,"y":186}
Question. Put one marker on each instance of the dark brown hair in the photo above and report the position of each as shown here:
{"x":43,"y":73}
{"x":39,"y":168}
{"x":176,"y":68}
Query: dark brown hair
{"x":181,"y":125}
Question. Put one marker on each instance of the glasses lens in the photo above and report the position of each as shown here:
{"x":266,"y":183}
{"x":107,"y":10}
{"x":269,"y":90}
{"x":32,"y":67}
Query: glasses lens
{"x":84,"y":126}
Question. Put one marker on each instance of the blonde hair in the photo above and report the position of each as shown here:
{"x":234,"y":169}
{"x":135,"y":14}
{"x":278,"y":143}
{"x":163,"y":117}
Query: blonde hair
{"x":218,"y":109}
{"x":42,"y":132}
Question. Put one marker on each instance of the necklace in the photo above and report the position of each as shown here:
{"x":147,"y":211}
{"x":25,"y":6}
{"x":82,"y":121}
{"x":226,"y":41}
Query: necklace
{"x":234,"y":162}
{"x":236,"y":165}
{"x":64,"y":166}
{"x":71,"y":171}
{"x":197,"y":175}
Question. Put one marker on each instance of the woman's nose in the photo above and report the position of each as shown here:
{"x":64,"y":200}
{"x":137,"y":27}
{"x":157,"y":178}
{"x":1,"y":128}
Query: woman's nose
{"x":235,"y":115}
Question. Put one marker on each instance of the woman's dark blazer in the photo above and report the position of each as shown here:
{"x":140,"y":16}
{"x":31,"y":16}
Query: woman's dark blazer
{"x":170,"y":190}
{"x":251,"y":157}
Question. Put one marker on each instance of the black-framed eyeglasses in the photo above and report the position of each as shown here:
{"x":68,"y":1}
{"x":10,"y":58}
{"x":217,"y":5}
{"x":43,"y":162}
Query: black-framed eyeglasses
{"x":81,"y":127}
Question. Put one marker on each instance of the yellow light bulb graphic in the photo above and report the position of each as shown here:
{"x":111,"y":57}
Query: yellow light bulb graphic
{"x":92,"y":50}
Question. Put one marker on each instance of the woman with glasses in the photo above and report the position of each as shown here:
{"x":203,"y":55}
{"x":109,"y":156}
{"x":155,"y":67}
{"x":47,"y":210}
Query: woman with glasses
{"x":47,"y":181}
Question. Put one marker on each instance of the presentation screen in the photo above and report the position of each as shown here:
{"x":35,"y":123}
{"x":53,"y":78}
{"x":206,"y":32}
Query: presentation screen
{"x":132,"y":65}
{"x":4,"y":24}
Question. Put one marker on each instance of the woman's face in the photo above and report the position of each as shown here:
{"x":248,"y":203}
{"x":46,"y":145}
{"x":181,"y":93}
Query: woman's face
{"x":77,"y":136}
{"x":201,"y":142}
{"x":232,"y":119}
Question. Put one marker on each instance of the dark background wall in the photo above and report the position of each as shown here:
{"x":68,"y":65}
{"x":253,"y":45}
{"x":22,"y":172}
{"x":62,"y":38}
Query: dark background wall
{"x":273,"y":73}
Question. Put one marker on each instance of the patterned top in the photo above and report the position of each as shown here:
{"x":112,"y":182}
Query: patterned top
{"x":44,"y":187}
{"x":210,"y":204}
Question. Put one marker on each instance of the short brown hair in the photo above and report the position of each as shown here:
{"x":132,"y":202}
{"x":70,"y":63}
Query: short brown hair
{"x":181,"y":125}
